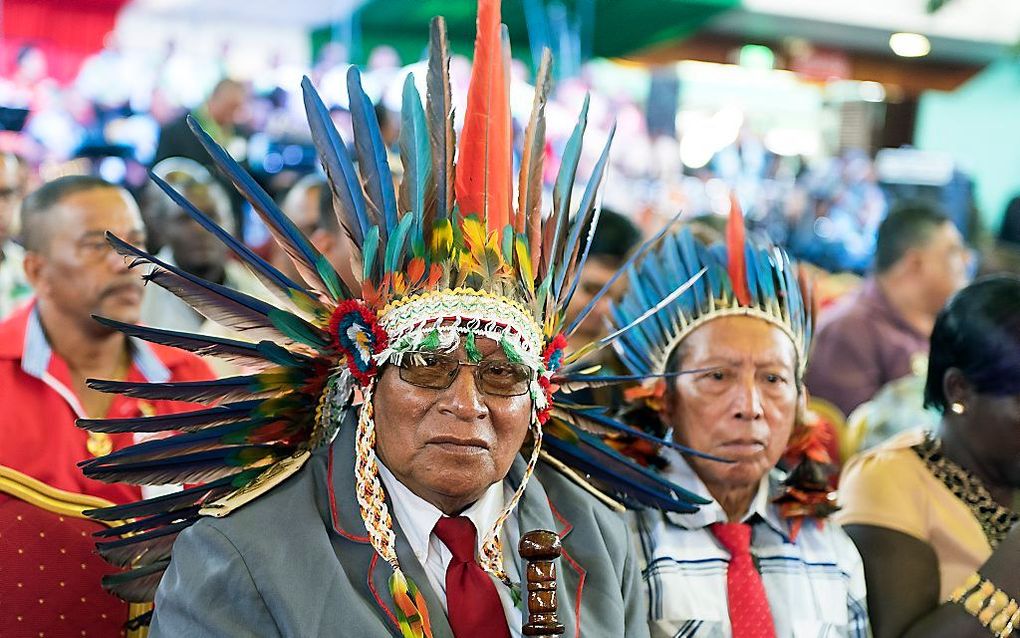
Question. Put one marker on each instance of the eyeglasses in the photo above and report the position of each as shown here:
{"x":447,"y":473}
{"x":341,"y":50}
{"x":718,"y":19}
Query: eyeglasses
{"x":437,"y":371}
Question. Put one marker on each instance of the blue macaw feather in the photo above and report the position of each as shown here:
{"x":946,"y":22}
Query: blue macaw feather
{"x":243,"y":353}
{"x":287,"y":234}
{"x":764,"y":267}
{"x":569,"y":266}
{"x":416,"y":156}
{"x":147,"y":523}
{"x":638,"y":340}
{"x":563,"y":186}
{"x":178,"y":446}
{"x":143,"y":550}
{"x":603,"y":463}
{"x":657,"y":328}
{"x":343,"y":178}
{"x":239,"y":388}
{"x":188,"y":421}
{"x":175,"y":500}
{"x":640,"y":252}
{"x":597,"y":416}
{"x":751,"y":264}
{"x":226,"y":306}
{"x":693,"y":261}
{"x":369,"y":253}
{"x":371,"y":151}
{"x":196,"y":467}
{"x":274,"y":280}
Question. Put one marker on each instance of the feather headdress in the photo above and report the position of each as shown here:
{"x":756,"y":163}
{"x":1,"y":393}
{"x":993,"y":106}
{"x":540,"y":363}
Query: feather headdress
{"x":443,"y":259}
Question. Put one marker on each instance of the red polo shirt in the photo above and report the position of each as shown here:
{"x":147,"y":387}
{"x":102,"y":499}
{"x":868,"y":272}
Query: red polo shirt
{"x":38,"y":407}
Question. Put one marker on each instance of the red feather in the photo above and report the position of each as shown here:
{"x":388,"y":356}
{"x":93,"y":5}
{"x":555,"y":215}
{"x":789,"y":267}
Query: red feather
{"x":483,"y":181}
{"x":737,"y":266}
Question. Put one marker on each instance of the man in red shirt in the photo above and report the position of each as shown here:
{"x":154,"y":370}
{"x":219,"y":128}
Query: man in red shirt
{"x":50,"y":348}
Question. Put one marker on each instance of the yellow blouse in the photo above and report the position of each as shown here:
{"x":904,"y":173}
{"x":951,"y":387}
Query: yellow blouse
{"x":890,"y":486}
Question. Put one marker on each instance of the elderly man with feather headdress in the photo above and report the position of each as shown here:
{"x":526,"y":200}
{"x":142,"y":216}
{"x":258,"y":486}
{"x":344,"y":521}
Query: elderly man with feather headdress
{"x":403,"y":429}
{"x":758,"y":559}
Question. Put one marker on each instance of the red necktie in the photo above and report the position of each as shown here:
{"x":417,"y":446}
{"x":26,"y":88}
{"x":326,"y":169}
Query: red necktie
{"x":471,"y":598}
{"x":750,"y":616}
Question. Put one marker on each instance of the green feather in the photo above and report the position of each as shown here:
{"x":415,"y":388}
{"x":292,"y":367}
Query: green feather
{"x":508,"y":244}
{"x":329,"y":277}
{"x":298,"y":329}
{"x":395,"y":244}
{"x":416,"y":156}
{"x":368,"y":252}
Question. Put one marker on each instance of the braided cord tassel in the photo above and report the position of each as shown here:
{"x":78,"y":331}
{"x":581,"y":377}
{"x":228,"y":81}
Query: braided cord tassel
{"x":412,"y":612}
{"x":491,"y":558}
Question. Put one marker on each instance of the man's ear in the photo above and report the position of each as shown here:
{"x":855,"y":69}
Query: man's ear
{"x":34,"y":265}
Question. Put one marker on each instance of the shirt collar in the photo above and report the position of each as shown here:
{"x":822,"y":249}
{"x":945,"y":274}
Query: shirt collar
{"x":417,"y":517}
{"x":35,"y":358}
{"x":680,"y":472}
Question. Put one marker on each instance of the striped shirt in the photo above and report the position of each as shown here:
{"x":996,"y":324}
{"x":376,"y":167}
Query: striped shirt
{"x":815,"y":584}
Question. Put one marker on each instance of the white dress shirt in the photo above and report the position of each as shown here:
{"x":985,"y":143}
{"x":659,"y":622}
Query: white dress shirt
{"x":417,"y":518}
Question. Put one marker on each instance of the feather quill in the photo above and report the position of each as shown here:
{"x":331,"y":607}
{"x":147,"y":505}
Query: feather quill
{"x":371,"y":151}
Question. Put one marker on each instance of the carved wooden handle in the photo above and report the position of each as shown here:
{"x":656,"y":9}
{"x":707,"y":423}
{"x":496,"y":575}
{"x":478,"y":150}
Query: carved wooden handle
{"x":541,"y":548}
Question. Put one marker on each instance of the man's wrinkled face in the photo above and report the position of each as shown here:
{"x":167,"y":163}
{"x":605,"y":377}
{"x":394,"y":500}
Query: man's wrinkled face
{"x":743,"y":406}
{"x":448,"y":446}
{"x":79,"y":274}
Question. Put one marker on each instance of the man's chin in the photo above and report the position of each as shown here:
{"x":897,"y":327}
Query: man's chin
{"x":125,"y":312}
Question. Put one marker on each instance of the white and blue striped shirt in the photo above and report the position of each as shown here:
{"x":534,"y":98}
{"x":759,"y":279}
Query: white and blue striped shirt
{"x":815,"y":585}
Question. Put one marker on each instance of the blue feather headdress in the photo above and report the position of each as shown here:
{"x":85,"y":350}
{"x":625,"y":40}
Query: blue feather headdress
{"x":742,"y":277}
{"x":444,"y":258}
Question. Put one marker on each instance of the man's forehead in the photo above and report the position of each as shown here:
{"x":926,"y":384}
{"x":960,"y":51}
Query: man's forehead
{"x":734,"y":340}
{"x":97,"y":211}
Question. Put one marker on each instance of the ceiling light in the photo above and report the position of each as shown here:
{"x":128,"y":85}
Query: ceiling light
{"x":909,"y":45}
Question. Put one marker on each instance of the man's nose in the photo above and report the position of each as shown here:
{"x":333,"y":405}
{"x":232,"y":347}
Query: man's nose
{"x":748,"y":401}
{"x":463,"y":399}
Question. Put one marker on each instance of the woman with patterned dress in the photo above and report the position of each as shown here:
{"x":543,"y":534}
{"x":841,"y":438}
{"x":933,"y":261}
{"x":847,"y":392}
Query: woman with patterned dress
{"x":934,"y":514}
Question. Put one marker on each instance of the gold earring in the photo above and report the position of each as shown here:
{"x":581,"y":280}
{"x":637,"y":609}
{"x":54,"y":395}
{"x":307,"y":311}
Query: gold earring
{"x":957,"y":408}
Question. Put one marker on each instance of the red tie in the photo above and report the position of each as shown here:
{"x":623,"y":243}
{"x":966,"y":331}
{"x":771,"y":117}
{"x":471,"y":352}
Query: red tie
{"x":471,"y":598}
{"x":750,"y":616}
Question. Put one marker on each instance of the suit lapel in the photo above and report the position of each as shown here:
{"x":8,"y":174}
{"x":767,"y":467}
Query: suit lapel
{"x":354,"y":549}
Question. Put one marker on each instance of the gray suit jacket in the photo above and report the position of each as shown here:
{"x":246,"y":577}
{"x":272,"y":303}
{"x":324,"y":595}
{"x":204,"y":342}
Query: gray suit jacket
{"x":298,"y":563}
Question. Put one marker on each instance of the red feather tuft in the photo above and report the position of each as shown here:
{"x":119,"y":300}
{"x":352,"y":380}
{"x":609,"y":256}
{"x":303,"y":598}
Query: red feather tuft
{"x":737,"y":266}
{"x":483,"y":180}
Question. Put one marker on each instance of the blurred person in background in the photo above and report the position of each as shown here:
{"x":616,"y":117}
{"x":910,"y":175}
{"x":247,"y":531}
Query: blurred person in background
{"x":14,"y":287}
{"x":222,"y":117}
{"x":309,"y":204}
{"x":880,"y":333}
{"x":49,"y":348}
{"x":195,"y":251}
{"x":936,"y":513}
{"x":615,"y":238}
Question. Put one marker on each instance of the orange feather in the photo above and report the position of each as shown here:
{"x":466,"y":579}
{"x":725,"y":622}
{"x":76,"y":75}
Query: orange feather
{"x":737,"y":266}
{"x":483,"y":181}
